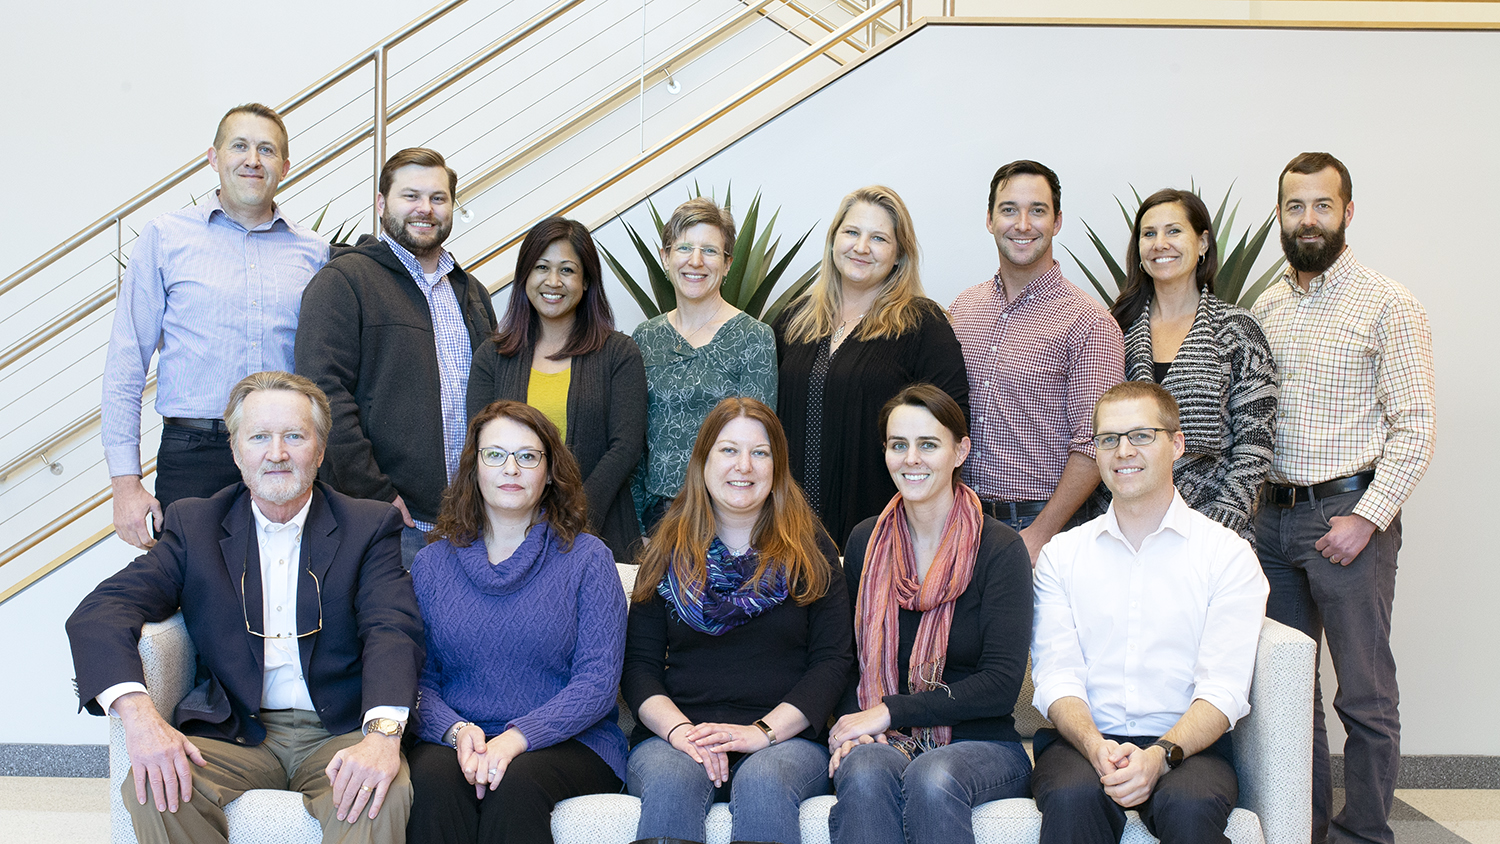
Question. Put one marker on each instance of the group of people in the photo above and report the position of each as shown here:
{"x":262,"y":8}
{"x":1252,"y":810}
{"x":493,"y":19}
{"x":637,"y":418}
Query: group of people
{"x":852,"y":526}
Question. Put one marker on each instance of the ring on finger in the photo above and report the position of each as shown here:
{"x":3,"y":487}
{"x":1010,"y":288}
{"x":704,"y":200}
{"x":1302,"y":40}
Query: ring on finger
{"x":364,"y":788}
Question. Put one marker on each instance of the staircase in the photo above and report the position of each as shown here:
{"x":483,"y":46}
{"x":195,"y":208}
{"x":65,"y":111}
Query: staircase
{"x":576,"y":107}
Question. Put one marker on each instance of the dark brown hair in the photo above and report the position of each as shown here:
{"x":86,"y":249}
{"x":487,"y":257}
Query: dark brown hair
{"x":592,"y":320}
{"x":1309,"y":163}
{"x":461,"y":519}
{"x":259,"y":111}
{"x":941,"y":405}
{"x":1140,"y":287}
{"x":785,"y":533}
{"x":421,"y":157}
{"x":1025,"y":167}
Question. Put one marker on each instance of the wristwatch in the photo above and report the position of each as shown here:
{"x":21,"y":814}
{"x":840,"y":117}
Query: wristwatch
{"x":1174,"y":753}
{"x":766,"y":728}
{"x":384,"y":726}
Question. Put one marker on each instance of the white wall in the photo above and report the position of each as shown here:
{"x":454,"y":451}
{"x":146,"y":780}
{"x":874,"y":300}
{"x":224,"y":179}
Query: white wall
{"x":1111,"y":108}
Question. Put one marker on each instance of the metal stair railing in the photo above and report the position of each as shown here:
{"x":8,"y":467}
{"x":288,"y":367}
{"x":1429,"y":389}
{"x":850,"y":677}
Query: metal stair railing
{"x":377,"y":128}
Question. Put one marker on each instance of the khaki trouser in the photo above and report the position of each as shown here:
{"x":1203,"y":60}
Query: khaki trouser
{"x":293,"y":757}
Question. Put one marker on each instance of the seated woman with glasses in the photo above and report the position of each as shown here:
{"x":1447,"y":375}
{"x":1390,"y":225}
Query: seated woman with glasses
{"x":740,"y":591}
{"x":525,"y":624}
{"x":697,"y":353}
{"x":943,"y":622}
{"x":1210,"y":355}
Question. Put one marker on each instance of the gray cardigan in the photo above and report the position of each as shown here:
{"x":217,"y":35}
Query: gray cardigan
{"x":1225,"y":382}
{"x":606,"y":425}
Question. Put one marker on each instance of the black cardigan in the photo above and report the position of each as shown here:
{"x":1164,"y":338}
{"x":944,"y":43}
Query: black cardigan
{"x":365,"y":337}
{"x":606,"y":425}
{"x":987,"y":644}
{"x":863,"y":376}
{"x":798,"y":655}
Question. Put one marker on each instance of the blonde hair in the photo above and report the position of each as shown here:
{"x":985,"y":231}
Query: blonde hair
{"x":895,"y":310}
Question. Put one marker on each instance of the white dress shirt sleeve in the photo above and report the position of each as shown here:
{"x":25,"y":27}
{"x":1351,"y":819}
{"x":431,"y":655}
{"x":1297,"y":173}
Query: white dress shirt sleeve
{"x":107,"y":698}
{"x":1231,"y":631}
{"x":1057,"y":666}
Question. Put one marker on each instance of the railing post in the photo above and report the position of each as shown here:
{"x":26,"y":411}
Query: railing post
{"x":870,"y":29}
{"x":378,"y":138}
{"x":119,"y":263}
{"x":906,"y":13}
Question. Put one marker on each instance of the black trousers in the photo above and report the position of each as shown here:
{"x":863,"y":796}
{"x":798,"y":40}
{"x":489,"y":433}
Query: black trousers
{"x":1190,"y":804}
{"x":519,"y":811}
{"x":192,"y":464}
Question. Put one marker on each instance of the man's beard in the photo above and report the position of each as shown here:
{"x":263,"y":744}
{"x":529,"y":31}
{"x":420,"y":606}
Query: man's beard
{"x":396,"y":228}
{"x":279,"y":490}
{"x":1314,"y":259}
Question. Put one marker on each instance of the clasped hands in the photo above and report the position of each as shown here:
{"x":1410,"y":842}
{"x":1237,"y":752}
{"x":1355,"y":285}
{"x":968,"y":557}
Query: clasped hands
{"x":709,"y":744}
{"x":484,"y":762}
{"x":867,"y":726}
{"x":1128,"y":773}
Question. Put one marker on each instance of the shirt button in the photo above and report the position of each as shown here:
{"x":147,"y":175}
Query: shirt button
{"x":252,"y":266}
{"x":1132,"y":647}
{"x":1132,"y":725}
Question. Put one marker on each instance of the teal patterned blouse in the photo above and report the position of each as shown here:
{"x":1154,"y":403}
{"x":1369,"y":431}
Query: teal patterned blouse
{"x":683,"y":384}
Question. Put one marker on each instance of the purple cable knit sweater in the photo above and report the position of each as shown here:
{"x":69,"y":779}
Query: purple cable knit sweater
{"x":534,"y":642}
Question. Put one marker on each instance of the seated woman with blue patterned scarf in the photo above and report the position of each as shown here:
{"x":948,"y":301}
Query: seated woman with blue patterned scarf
{"x":740,"y":593}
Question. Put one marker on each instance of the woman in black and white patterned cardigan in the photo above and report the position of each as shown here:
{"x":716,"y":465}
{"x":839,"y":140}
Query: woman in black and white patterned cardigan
{"x":1210,"y":355}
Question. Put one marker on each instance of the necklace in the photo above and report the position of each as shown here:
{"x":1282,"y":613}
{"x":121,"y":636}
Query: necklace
{"x":688,"y":336}
{"x":839,"y":332}
{"x":734,"y":551}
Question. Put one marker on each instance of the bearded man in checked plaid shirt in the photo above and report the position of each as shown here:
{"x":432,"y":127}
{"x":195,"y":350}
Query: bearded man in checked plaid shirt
{"x":1354,"y":436}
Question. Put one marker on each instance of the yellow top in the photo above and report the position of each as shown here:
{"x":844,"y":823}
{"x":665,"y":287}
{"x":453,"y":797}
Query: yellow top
{"x":548,"y":392}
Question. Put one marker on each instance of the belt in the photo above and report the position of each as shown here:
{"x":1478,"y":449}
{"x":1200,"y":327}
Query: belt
{"x":1290,"y":496}
{"x":1012,"y":510}
{"x":215,"y":426}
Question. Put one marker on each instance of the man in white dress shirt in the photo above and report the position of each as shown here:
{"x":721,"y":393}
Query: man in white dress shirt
{"x":1143,"y":645}
{"x":306,"y":628}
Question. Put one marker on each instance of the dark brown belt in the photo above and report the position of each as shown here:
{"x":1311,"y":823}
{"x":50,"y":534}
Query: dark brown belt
{"x":1012,"y":510}
{"x":1291,"y":496}
{"x":214,"y":426}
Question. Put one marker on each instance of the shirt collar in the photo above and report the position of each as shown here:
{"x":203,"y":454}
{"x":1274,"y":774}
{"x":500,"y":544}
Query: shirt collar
{"x":1043,"y":283}
{"x":1342,"y":267}
{"x":209,"y":204}
{"x":266,"y":526}
{"x":1177,"y":519}
{"x":413,"y":266}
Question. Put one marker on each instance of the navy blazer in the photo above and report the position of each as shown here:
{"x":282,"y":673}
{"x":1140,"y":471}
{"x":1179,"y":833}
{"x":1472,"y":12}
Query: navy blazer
{"x":370,"y":649}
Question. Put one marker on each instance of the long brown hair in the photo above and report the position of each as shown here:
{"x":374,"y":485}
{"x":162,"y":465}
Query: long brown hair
{"x":1140,"y":287}
{"x":461,"y":519}
{"x":895,"y":310}
{"x":785,"y":534}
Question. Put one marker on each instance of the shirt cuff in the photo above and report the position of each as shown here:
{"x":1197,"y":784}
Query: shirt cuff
{"x":396,"y":713}
{"x":1377,"y":508}
{"x":123,"y":460}
{"x":107,"y":698}
{"x":1047,"y":694}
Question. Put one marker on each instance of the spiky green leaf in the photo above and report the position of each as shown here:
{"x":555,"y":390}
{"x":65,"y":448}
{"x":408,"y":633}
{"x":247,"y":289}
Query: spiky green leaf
{"x":642,"y":300}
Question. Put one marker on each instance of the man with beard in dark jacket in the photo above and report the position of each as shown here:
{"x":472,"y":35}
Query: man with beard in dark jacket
{"x":388,"y":331}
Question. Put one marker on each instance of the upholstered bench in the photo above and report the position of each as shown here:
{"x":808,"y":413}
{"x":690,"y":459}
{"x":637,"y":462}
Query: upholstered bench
{"x":1273,"y":757}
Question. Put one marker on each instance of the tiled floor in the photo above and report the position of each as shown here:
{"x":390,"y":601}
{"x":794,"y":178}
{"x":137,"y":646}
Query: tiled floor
{"x":44,"y":810}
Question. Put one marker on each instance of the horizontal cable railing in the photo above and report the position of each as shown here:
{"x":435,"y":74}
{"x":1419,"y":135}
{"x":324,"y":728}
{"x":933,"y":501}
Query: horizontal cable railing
{"x":339,"y":156}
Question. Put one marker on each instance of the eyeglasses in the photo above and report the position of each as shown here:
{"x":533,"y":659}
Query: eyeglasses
{"x":525,"y":458}
{"x":245,"y":607}
{"x":1137,"y":437}
{"x":687,"y":249}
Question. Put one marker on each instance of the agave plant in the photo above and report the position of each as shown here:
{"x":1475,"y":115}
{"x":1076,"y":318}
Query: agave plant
{"x":1234,"y":263}
{"x":753,"y":273}
{"x":340,"y":235}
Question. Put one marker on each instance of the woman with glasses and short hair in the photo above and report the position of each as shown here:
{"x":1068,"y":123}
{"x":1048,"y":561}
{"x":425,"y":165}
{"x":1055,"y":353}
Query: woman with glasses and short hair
{"x":739,"y":641}
{"x":943,"y":622}
{"x":525,"y":623}
{"x":701,"y":351}
{"x":1210,"y":355}
{"x":557,"y":350}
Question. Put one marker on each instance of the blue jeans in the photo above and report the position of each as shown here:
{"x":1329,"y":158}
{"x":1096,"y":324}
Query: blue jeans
{"x":412,"y":541}
{"x":884,"y":799}
{"x":1352,"y":605}
{"x":766,"y":790}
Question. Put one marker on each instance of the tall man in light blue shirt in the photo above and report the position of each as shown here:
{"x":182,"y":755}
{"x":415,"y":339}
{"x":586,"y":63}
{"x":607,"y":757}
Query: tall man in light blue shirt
{"x":217,"y":287}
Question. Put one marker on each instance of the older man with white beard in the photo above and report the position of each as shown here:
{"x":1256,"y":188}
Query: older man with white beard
{"x":308,"y":686}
